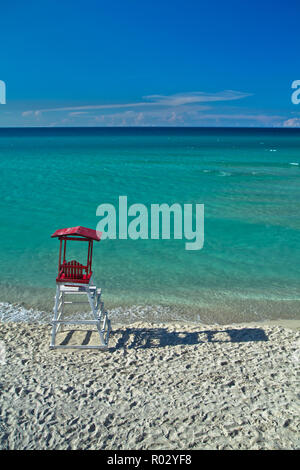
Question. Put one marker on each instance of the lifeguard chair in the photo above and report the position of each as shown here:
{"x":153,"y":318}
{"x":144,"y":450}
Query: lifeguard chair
{"x":74,"y":278}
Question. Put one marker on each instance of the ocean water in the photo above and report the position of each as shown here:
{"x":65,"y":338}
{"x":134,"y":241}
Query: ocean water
{"x":247,"y":179}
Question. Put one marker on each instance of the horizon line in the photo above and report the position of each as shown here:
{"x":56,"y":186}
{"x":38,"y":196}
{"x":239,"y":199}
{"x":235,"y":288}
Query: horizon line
{"x":149,"y":127}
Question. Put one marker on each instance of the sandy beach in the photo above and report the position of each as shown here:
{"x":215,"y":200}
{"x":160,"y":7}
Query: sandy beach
{"x":159,"y":386}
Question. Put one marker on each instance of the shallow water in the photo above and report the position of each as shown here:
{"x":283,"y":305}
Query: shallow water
{"x":248,"y":180}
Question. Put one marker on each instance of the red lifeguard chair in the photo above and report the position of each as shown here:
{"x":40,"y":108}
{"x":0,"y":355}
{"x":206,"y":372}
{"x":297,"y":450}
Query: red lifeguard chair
{"x":75,"y":278}
{"x":72,"y":271}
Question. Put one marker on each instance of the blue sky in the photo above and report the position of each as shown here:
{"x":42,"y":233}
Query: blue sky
{"x":149,"y":63}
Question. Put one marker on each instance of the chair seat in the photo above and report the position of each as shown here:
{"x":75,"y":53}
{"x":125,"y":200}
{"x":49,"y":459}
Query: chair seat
{"x":72,"y":271}
{"x":85,"y":279}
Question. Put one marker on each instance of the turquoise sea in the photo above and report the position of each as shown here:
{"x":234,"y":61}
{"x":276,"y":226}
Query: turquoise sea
{"x":248,"y":180}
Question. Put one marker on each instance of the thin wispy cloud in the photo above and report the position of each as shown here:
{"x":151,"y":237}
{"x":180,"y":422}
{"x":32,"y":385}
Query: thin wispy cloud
{"x":150,"y":101}
{"x":195,"y":97}
{"x":183,"y":116}
{"x":179,"y":109}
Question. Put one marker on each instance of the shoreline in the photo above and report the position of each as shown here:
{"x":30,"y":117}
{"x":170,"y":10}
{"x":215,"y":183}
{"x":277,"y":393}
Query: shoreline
{"x":122,"y":316}
{"x":159,"y":386}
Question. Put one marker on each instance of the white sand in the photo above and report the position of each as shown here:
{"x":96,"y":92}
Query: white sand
{"x":158,"y":387}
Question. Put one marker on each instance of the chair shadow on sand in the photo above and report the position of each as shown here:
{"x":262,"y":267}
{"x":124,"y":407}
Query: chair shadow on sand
{"x":143,"y":338}
{"x":69,"y":334}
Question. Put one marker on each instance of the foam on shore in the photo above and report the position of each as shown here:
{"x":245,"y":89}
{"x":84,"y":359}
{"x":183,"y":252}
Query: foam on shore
{"x":122,"y":315}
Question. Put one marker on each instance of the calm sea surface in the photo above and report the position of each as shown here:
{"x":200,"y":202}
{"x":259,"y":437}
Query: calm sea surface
{"x":248,"y":180}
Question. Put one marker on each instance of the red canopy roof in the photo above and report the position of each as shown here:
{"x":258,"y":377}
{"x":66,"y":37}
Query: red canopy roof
{"x":80,"y":231}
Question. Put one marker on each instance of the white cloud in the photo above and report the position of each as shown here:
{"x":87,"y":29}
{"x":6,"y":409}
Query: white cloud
{"x":293,"y":122}
{"x":180,"y":109}
{"x":78,"y":113}
{"x":151,"y":101}
{"x":196,"y":97}
{"x":184,"y":115}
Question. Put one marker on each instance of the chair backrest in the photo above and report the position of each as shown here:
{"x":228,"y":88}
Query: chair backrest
{"x":73,"y":269}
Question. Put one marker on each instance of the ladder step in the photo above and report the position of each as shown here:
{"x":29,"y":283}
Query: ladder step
{"x":78,"y":289}
{"x":76,"y":322}
{"x":78,"y":347}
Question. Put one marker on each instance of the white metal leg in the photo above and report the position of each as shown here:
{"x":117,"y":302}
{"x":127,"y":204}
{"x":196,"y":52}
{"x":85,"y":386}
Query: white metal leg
{"x":55,"y":311}
{"x":100,"y":318}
